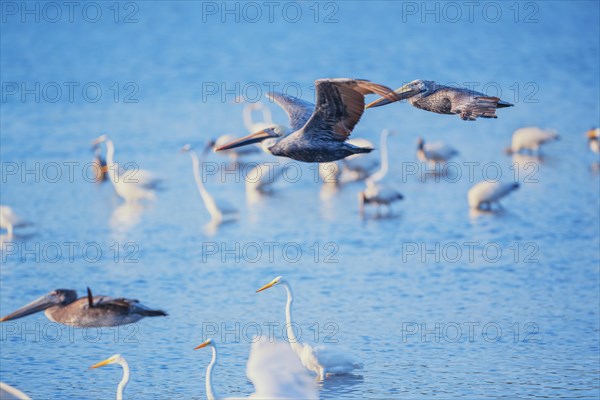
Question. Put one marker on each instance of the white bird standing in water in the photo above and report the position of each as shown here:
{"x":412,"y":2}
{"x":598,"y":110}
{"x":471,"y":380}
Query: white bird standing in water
{"x":593,"y":136}
{"x":486,"y":193}
{"x":219,"y":211}
{"x":352,"y":168}
{"x":9,"y":220}
{"x":272,"y":368}
{"x":132,"y":185}
{"x":434,"y":153}
{"x":117,"y":359}
{"x":321,"y":360}
{"x":530,"y":139}
{"x":375,"y":192}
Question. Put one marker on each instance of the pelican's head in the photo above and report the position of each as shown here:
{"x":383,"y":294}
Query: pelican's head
{"x":405,"y":92}
{"x":54,"y":298}
{"x":116,"y":359}
{"x":274,"y":282}
{"x":272,"y":132}
{"x":207,"y":342}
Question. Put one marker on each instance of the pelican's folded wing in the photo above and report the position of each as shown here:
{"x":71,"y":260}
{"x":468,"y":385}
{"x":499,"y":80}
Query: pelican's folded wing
{"x":298,"y":110}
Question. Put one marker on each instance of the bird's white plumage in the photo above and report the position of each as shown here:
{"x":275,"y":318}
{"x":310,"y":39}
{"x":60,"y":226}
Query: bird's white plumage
{"x":435,"y":152}
{"x":531,"y":138}
{"x":487,"y":192}
{"x":321,"y":360}
{"x":361,"y":165}
{"x":594,"y":140}
{"x":117,"y":359}
{"x":261,"y":177}
{"x":8,"y":392}
{"x":10,"y":220}
{"x":219,"y":210}
{"x":132,"y":185}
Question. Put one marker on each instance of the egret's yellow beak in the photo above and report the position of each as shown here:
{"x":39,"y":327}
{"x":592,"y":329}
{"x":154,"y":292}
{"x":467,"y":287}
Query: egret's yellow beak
{"x":204,"y":344}
{"x":268,"y":285}
{"x":593,"y":133}
{"x":103,"y":363}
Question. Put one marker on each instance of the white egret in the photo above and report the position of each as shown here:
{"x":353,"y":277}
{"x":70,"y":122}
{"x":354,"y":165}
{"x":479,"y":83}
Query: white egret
{"x":131,"y":185}
{"x":255,"y":126}
{"x":375,"y":192}
{"x":486,"y":193}
{"x":360,"y":165}
{"x":9,"y":220}
{"x":322,"y":360}
{"x":273,"y":369}
{"x":593,"y":136}
{"x":219,"y":211}
{"x":8,"y":392}
{"x":330,"y":172}
{"x":117,"y":359}
{"x":434,"y":153}
{"x":531,"y":139}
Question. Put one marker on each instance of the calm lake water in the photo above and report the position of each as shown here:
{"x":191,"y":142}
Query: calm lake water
{"x":436,"y":301}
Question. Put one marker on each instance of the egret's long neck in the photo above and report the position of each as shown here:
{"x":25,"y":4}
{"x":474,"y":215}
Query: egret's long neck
{"x":291,"y":334}
{"x":206,"y":197}
{"x":110,"y":162}
{"x":249,"y":122}
{"x":210,"y":394}
{"x":124,"y":380}
{"x":266,"y":112}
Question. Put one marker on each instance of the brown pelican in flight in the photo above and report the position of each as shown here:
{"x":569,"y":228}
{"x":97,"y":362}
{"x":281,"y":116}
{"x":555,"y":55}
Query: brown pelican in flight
{"x":63,"y":306}
{"x":431,"y":96}
{"x":319,"y":132}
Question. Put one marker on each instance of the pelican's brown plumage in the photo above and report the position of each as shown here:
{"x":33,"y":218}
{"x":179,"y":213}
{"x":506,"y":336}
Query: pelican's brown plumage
{"x":63,"y":306}
{"x":431,"y":96}
{"x":320,"y":131}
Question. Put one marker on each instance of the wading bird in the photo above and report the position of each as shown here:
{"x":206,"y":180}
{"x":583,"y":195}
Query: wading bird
{"x":219,"y":211}
{"x":272,"y":368}
{"x":319,"y":132}
{"x":486,"y":193}
{"x":321,"y":360}
{"x":9,"y":220}
{"x":434,"y":153}
{"x":99,"y":165}
{"x":117,"y":359}
{"x":530,"y":139}
{"x":375,"y":192}
{"x":593,"y":136}
{"x":431,"y":96}
{"x":131,"y":185}
{"x":8,"y":392}
{"x":63,"y":306}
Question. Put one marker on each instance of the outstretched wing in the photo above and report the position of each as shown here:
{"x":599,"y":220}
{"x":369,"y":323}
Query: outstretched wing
{"x":298,"y":110}
{"x":479,"y":106}
{"x":340,"y":104}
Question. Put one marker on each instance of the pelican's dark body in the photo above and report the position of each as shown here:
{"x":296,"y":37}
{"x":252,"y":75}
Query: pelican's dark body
{"x":315,"y":151}
{"x":63,"y":306}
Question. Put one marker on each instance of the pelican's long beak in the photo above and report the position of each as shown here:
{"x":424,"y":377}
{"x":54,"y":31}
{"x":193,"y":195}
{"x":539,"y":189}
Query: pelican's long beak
{"x":252,"y":138}
{"x":109,"y":360}
{"x":38,"y":305}
{"x":402,"y":93}
{"x":268,"y":285}
{"x":204,"y":344}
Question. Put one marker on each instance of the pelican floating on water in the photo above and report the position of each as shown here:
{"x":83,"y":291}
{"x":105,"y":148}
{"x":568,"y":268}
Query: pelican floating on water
{"x":117,"y":359}
{"x":9,"y":220}
{"x":593,"y":136}
{"x":131,"y":185}
{"x":434,"y":153}
{"x":431,"y":96}
{"x":63,"y":306}
{"x":219,"y":211}
{"x":319,"y":132}
{"x":531,"y":139}
{"x":321,"y":360}
{"x":487,"y":193}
